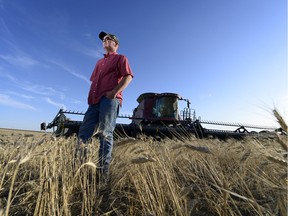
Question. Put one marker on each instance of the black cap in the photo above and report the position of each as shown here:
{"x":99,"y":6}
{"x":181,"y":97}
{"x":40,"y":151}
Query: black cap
{"x":103,"y":34}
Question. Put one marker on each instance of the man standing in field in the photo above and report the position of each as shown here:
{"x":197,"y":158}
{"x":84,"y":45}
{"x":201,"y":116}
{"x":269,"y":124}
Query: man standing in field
{"x":111,"y":75}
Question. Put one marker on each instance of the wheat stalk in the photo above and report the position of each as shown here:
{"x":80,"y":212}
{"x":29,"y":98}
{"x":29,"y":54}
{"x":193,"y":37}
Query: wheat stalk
{"x":280,"y":120}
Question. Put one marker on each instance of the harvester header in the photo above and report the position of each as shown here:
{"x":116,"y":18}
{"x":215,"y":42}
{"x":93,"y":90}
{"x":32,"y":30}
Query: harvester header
{"x":158,"y":115}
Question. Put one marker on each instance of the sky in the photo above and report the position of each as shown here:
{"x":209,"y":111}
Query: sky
{"x":229,"y":58}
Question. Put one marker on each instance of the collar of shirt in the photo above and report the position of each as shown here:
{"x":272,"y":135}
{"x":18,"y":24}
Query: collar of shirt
{"x":110,"y":54}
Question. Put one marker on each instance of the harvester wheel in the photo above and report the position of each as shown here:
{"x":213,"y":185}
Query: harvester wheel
{"x":62,"y":131}
{"x":241,"y":129}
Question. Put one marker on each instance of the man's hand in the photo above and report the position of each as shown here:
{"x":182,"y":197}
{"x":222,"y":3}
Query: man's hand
{"x":110,"y":94}
{"x":120,"y":87}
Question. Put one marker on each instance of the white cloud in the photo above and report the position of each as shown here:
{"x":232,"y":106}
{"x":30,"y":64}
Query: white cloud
{"x":7,"y":75}
{"x":71,"y":71}
{"x":6,"y":100}
{"x":34,"y":88}
{"x":28,"y":97}
{"x":91,"y":53}
{"x":75,"y":101}
{"x":16,"y":56}
{"x":80,"y":76}
{"x":59,"y":105}
{"x":21,"y":61}
{"x":88,"y":50}
{"x":41,"y":90}
{"x":3,"y":27}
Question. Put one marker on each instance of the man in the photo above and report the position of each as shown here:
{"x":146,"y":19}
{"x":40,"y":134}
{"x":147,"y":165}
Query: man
{"x":111,"y":75}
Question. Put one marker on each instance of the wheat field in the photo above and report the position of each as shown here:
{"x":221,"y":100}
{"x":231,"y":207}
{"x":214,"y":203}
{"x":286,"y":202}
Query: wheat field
{"x":40,"y":176}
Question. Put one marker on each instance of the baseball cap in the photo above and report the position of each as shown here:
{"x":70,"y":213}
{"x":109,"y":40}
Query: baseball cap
{"x":103,"y":34}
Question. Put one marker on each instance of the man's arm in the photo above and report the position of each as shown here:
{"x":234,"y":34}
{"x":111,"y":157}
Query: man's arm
{"x":120,"y":87}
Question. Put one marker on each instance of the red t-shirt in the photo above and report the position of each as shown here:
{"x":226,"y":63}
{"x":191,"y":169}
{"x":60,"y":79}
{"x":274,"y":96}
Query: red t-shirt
{"x":107,"y":73}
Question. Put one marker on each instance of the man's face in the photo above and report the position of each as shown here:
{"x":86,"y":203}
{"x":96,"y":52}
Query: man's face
{"x":109,"y":44}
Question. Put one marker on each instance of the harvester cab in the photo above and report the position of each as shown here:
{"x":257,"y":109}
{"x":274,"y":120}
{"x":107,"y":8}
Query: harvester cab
{"x":155,"y":108}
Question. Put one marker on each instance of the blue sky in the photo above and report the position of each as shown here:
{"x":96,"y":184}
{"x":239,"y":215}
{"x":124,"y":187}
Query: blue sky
{"x":228,"y":57}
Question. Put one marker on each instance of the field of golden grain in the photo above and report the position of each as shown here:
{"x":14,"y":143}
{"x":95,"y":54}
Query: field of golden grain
{"x":40,"y":176}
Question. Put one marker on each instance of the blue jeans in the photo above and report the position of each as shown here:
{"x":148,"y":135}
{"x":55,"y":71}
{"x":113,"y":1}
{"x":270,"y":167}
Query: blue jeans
{"x":101,"y":119}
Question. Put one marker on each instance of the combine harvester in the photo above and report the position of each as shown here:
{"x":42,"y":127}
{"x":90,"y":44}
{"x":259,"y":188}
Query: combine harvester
{"x":158,"y":115}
